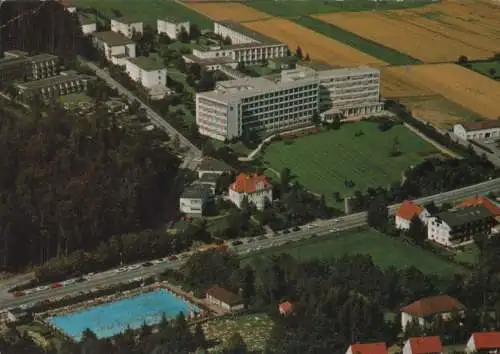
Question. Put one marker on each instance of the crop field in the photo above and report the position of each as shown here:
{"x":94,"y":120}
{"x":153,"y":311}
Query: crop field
{"x":385,"y":251}
{"x":319,"y":47}
{"x":393,"y":85}
{"x":464,"y":87}
{"x":323,"y":162}
{"x":489,"y":68}
{"x":220,"y":11}
{"x":148,"y":11}
{"x":435,"y":33}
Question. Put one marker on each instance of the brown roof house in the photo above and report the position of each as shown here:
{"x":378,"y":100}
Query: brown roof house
{"x":224,"y":299}
{"x":425,"y":310}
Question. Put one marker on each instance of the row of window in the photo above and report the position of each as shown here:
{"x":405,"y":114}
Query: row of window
{"x":280,"y":103}
{"x":285,"y":93}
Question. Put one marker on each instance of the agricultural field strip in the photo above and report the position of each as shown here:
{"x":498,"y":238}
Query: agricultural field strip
{"x":319,"y":47}
{"x":227,"y":11}
{"x":398,"y":34}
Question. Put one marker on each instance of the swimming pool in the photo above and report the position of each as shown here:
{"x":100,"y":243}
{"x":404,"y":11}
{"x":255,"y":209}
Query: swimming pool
{"x":112,"y":318}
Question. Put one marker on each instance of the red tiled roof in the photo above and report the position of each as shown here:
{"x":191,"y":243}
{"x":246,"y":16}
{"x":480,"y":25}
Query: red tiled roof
{"x":408,"y":210}
{"x":486,"y":340}
{"x":247,"y":183}
{"x":369,"y":348}
{"x":285,"y":307}
{"x":482,"y":125}
{"x":425,"y":345}
{"x":432,"y":305}
{"x":481,"y":200}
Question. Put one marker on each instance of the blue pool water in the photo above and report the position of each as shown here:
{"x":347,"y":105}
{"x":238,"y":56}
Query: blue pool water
{"x":112,"y":318}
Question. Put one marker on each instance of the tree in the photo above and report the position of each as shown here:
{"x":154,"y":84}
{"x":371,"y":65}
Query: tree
{"x":316,"y":119}
{"x":199,"y":339}
{"x":285,"y":179}
{"x":176,"y":142}
{"x":194,"y":31}
{"x":183,"y":36}
{"x":206,"y":82}
{"x":463,"y":60}
{"x":377,"y":214}
{"x":336,"y":124}
{"x":298,"y":53}
{"x":235,"y":345}
{"x":492,"y":71}
{"x":307,"y":58}
{"x":395,"y":151}
{"x":417,"y":230}
{"x":227,"y":40}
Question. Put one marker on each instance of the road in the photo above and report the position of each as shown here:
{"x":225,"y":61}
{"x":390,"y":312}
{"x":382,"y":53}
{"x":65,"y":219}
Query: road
{"x":322,"y":227}
{"x":193,"y":154}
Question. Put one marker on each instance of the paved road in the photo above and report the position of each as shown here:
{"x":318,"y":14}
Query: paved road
{"x":193,"y":154}
{"x":322,"y":227}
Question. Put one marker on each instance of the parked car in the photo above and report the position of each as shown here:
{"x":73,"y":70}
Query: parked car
{"x":237,"y":243}
{"x":172,"y":258}
{"x":296,"y":228}
{"x":286,"y":231}
{"x":262,"y":238}
{"x":147,"y":264}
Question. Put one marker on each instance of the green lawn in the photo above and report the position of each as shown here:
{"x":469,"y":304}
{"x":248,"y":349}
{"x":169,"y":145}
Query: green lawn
{"x":369,"y":47}
{"x":324,"y":161}
{"x":75,"y":98}
{"x":147,"y":10}
{"x":385,"y":251}
{"x":307,"y":7}
{"x":485,"y":67}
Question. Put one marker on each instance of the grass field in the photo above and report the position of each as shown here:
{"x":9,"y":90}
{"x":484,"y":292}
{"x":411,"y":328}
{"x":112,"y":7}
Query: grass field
{"x":453,"y":82}
{"x":227,"y":11}
{"x":147,"y":10}
{"x":450,"y":28}
{"x":385,"y":251}
{"x":75,"y":98}
{"x":306,"y":7}
{"x":323,"y":162}
{"x":319,"y":47}
{"x":484,"y":67}
{"x":364,"y":45}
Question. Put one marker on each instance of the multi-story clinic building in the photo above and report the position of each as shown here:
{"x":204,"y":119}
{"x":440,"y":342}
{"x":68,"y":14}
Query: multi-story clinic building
{"x":18,"y":65}
{"x":256,"y":104}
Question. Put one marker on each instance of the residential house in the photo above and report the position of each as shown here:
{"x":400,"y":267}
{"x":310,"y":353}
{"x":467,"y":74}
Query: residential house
{"x":194,"y":200}
{"x":423,"y":345}
{"x":151,"y":74}
{"x":480,"y":200}
{"x":116,"y":47}
{"x":224,"y":299}
{"x":425,"y":310}
{"x":483,"y":130}
{"x":88,"y":23}
{"x":213,"y":166}
{"x":367,"y":348}
{"x":285,"y":308}
{"x":483,"y":342}
{"x":172,"y":26}
{"x":126,"y":26}
{"x":455,"y":228}
{"x":7,"y":317}
{"x":252,"y":186}
{"x":407,"y":211}
{"x":209,"y":180}
{"x":68,"y":5}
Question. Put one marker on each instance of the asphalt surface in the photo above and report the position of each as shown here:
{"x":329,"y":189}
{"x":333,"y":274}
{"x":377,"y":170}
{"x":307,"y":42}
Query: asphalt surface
{"x":321,"y":227}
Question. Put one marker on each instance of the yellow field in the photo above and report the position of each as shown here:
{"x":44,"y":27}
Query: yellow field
{"x":319,"y":47}
{"x":464,"y":87}
{"x":434,"y":33}
{"x":227,"y":11}
{"x":395,"y":86}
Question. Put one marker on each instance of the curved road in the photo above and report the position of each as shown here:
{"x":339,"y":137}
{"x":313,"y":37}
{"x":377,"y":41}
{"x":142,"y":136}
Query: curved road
{"x":322,"y":227}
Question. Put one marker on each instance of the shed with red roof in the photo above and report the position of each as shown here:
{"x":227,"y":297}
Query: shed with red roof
{"x":407,"y":211}
{"x":423,"y":345}
{"x":483,"y":341}
{"x":367,"y":348}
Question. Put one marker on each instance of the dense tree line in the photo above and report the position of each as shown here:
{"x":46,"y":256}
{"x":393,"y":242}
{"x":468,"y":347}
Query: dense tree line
{"x":70,"y":183}
{"x":40,"y":27}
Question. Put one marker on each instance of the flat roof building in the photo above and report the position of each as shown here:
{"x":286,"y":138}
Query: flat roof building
{"x":55,"y":86}
{"x":16,"y":66}
{"x":256,"y":104}
{"x":151,"y":74}
{"x":172,"y":26}
{"x":126,"y":26}
{"x":115,"y":46}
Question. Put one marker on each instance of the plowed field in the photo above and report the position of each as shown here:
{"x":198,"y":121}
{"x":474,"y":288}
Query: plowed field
{"x":227,"y":11}
{"x":434,"y":33}
{"x":319,"y":47}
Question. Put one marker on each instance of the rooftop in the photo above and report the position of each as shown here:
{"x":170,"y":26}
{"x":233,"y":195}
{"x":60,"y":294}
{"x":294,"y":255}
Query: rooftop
{"x":195,"y":191}
{"x":215,"y":47}
{"x":486,"y":340}
{"x":360,"y":70}
{"x":250,"y":183}
{"x":59,"y":79}
{"x":432,"y":305}
{"x":86,"y":20}
{"x":172,"y":19}
{"x":209,"y":61}
{"x":408,"y":210}
{"x":112,"y":38}
{"x":147,"y":64}
{"x":248,"y":32}
{"x":214,"y":165}
{"x":463,"y":216}
{"x":425,"y":345}
{"x":481,"y":200}
{"x":15,"y":53}
{"x":369,"y":348}
{"x":482,"y":125}
{"x":126,"y":19}
{"x":209,"y":178}
{"x":224,"y":295}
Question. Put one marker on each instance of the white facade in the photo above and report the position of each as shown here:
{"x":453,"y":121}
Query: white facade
{"x":407,"y":318}
{"x":115,"y":46}
{"x":477,"y":131}
{"x":404,"y":224}
{"x":248,"y":54}
{"x":89,"y":28}
{"x":253,"y":187}
{"x":233,"y":30}
{"x":407,"y":348}
{"x":193,"y":200}
{"x":483,"y":339}
{"x":214,"y":301}
{"x":171,"y":27}
{"x":127,"y":28}
{"x":147,"y":77}
{"x":256,"y":104}
{"x":258,"y":198}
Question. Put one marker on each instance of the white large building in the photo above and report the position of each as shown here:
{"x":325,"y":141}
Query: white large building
{"x":126,"y":26}
{"x":115,"y":46}
{"x":351,"y":92}
{"x":247,"y":47}
{"x":257,"y":104}
{"x":150,"y":74}
{"x":172,"y":27}
{"x":89,"y":24}
{"x":487,"y":129}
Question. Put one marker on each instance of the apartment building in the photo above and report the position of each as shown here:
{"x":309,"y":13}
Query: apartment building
{"x":458,"y":227}
{"x":239,"y":34}
{"x":351,"y":92}
{"x":66,"y":83}
{"x":150,"y":74}
{"x":18,"y":65}
{"x":115,"y":46}
{"x":126,"y":26}
{"x":172,"y":26}
{"x":88,"y":24}
{"x":257,"y":104}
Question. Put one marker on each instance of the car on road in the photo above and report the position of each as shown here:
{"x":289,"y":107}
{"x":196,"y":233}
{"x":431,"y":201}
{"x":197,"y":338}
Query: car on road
{"x":134,"y":267}
{"x":262,"y":238}
{"x":19,"y":293}
{"x":251,"y":240}
{"x":157,"y":261}
{"x":172,"y":258}
{"x":286,"y":231}
{"x":147,"y":264}
{"x":314,"y":235}
{"x":332,"y":230}
{"x":80,"y":280}
{"x":336,"y":220}
{"x":237,"y":243}
{"x":296,"y":228}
